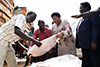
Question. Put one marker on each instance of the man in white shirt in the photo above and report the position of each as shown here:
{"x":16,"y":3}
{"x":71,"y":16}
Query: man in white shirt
{"x":11,"y":32}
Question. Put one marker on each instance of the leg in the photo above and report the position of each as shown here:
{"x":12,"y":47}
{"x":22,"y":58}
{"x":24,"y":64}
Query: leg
{"x":10,"y":58}
{"x":27,"y":60}
{"x":21,"y":54}
{"x":86,"y":58}
{"x":95,"y":57}
{"x":3,"y":51}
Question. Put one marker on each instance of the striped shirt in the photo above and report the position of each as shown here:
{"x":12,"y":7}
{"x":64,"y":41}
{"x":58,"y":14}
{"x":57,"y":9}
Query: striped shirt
{"x":7,"y":34}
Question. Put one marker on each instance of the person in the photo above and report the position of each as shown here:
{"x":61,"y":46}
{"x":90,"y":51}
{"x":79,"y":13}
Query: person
{"x":87,"y":37}
{"x":62,"y":28}
{"x":11,"y":32}
{"x":87,"y":14}
{"x":42,"y":33}
{"x":30,"y":33}
{"x":17,"y":10}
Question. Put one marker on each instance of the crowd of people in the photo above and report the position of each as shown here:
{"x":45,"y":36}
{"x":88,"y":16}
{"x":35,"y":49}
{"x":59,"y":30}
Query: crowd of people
{"x":87,"y":36}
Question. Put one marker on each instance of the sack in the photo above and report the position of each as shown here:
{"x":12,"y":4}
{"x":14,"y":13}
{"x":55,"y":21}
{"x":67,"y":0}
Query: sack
{"x":60,"y":61}
{"x":47,"y":44}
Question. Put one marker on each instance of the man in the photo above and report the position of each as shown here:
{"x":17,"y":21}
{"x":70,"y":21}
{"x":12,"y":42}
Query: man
{"x":88,"y":37}
{"x":41,"y":33}
{"x":10,"y":32}
{"x":87,"y":14}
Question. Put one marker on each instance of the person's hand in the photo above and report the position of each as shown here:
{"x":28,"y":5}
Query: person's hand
{"x":27,"y":49}
{"x":59,"y":35}
{"x":76,"y":16}
{"x":38,"y":43}
{"x":94,"y":46}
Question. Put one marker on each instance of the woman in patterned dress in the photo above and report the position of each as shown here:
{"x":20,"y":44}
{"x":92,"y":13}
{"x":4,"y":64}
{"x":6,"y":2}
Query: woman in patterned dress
{"x":66,"y":43}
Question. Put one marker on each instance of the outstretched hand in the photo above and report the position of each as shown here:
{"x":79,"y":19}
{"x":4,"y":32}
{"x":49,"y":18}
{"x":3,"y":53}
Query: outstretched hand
{"x":76,"y":16}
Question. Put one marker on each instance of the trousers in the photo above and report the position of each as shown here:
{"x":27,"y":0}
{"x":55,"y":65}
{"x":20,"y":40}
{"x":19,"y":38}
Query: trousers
{"x":8,"y":54}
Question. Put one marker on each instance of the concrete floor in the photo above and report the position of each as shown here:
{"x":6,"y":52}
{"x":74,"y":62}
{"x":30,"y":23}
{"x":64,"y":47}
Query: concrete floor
{"x":21,"y":63}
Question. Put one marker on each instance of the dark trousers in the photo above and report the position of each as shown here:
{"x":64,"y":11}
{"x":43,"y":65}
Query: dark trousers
{"x":91,"y":58}
{"x":27,"y":60}
{"x":33,"y":59}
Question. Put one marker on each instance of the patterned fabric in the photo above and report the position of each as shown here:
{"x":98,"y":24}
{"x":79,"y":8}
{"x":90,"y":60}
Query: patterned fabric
{"x":67,"y":42}
{"x":7,"y":34}
{"x":38,"y":34}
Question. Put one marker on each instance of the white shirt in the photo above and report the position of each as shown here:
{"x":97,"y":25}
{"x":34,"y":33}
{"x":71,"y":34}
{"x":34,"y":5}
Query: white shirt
{"x":7,"y":34}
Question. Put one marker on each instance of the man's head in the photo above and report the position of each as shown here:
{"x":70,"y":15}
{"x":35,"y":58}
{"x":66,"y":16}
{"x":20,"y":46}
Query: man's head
{"x":30,"y":17}
{"x":85,"y":6}
{"x":56,"y":17}
{"x":32,"y":29}
{"x":41,"y":23}
{"x":17,"y":10}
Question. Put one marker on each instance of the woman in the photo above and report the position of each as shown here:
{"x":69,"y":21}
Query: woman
{"x":66,"y":43}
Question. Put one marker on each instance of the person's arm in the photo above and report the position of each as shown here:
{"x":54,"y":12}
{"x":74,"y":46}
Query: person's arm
{"x":76,"y":16}
{"x":21,"y":46}
{"x":18,"y":45}
{"x":91,"y":13}
{"x":87,"y":14}
{"x":67,"y":32}
{"x":95,"y":31}
{"x":24,"y":36}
